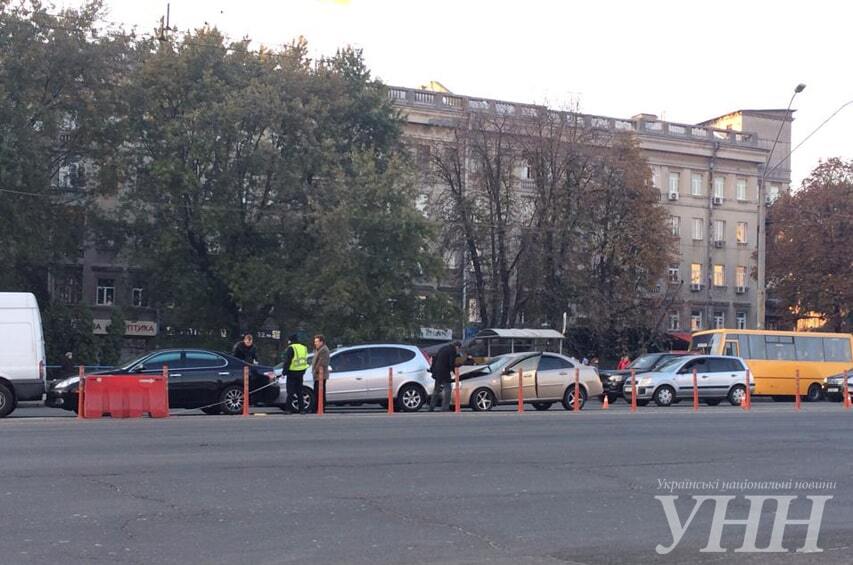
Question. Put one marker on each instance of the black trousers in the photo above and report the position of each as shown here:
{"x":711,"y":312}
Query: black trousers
{"x":294,"y":387}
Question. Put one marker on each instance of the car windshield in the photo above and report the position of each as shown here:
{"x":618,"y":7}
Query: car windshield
{"x":496,"y":363}
{"x":670,"y":365}
{"x":644,"y":361}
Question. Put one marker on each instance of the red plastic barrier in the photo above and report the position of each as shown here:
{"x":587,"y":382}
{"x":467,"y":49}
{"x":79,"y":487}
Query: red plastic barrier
{"x":125,"y":396}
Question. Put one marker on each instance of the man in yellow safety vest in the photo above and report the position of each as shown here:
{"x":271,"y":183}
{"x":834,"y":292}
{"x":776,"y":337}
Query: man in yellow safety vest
{"x":295,"y":364}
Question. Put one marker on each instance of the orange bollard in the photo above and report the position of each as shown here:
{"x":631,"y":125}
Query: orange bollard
{"x":390,"y":390}
{"x":520,"y":391}
{"x":747,"y":398}
{"x":166,"y":381}
{"x":633,"y":390}
{"x":457,"y":393}
{"x":245,"y":391}
{"x":797,"y":396}
{"x":846,"y":388}
{"x":695,"y":392}
{"x":321,"y":394}
{"x":81,"y":403}
{"x":576,"y":401}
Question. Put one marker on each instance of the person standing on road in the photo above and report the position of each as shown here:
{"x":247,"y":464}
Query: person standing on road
{"x":295,"y":363}
{"x":442,"y":367}
{"x":245,"y":350}
{"x":624,"y":361}
{"x":66,"y":366}
{"x":320,"y":367}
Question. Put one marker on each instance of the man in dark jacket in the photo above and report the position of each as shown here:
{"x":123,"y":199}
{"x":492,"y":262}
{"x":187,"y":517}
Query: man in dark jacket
{"x":442,"y":368}
{"x":320,"y":367}
{"x":245,"y":350}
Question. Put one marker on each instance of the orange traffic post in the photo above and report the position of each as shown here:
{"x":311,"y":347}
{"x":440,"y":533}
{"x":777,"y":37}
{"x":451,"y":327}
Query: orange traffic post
{"x":166,"y":383}
{"x":321,"y":393}
{"x":695,"y":392}
{"x":246,"y":390}
{"x":633,"y":390}
{"x":747,"y":397}
{"x":457,"y":393}
{"x":390,"y":390}
{"x":797,"y":384}
{"x":520,"y":391}
{"x":80,"y":392}
{"x":846,"y":388}
{"x":576,"y":401}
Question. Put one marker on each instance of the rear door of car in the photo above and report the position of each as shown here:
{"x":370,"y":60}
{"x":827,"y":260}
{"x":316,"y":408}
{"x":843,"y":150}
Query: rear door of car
{"x":203,"y":376}
{"x":725,"y":373}
{"x":509,"y":379}
{"x":552,"y":376}
{"x":380,"y":360}
{"x":347,"y":375}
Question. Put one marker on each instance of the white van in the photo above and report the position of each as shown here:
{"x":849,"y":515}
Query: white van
{"x":22,"y":363}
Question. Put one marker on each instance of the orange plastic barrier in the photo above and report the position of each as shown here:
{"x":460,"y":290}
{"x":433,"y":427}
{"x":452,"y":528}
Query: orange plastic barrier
{"x":125,"y":396}
{"x":246,"y":391}
{"x":520,"y":406}
{"x":390,"y":390}
{"x":633,"y":391}
{"x":457,"y":406}
{"x":576,"y":400}
{"x":695,"y":391}
{"x":797,"y":384}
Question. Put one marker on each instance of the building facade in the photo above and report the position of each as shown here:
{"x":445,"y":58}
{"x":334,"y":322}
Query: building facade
{"x":708,"y":175}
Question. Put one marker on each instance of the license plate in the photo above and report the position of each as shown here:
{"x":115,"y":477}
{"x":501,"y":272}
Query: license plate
{"x":832,"y":389}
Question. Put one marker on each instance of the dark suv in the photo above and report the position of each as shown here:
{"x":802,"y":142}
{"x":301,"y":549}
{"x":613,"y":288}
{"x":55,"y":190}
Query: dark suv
{"x":612,"y":380}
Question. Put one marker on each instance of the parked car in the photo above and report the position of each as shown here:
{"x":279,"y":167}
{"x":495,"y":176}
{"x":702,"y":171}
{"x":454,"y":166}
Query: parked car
{"x":22,"y":360}
{"x":197,"y":379}
{"x":359,"y":375}
{"x":614,"y":379}
{"x":833,"y":387}
{"x":718,"y":378}
{"x":546,"y":378}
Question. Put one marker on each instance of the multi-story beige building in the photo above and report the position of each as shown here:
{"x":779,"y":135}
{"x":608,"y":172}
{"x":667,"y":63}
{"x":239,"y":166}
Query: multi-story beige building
{"x":708,"y":175}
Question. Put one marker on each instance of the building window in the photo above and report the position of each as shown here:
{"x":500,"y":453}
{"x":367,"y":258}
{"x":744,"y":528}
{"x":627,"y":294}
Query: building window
{"x":740,"y":276}
{"x":698,"y":232}
{"x":674,"y":179}
{"x":740,"y":190}
{"x":654,"y":177}
{"x":696,"y":273}
{"x":719,"y":320}
{"x":675,"y":225}
{"x":674,"y":273}
{"x":719,"y":275}
{"x":719,"y":187}
{"x":106,"y":292}
{"x":137,"y":298}
{"x":740,"y":320}
{"x":719,"y":230}
{"x":741,"y":232}
{"x":695,"y":320}
{"x":696,"y":184}
{"x":674,"y":321}
{"x":773,"y":192}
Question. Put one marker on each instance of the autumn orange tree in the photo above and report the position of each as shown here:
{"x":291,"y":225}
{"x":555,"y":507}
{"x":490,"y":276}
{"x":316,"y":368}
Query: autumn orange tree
{"x":809,"y":244}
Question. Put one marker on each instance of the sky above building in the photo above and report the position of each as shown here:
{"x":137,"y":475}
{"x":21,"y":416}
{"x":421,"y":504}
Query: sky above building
{"x":684,"y":61}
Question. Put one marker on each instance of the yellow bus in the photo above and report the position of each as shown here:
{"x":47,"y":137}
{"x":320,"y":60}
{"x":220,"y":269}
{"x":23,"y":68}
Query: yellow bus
{"x":773,"y":357}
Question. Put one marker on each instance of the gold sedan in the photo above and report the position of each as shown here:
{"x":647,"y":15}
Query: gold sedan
{"x":546,"y":378}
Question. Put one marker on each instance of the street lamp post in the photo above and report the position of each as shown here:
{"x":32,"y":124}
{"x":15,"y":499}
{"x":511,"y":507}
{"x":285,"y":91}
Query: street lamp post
{"x":761,"y":292}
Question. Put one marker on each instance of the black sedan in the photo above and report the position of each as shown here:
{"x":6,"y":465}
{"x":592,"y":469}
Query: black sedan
{"x":198,"y":378}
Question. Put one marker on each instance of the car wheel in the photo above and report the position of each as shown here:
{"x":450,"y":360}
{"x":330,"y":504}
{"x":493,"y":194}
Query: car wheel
{"x":482,"y":400}
{"x":815,"y":393}
{"x":569,"y":398}
{"x":737,"y":394}
{"x":712,"y":401}
{"x":212,"y":410}
{"x":7,"y":401}
{"x":307,"y":400}
{"x":664,"y":395}
{"x":231,"y":400}
{"x":542,"y":405}
{"x":411,"y":398}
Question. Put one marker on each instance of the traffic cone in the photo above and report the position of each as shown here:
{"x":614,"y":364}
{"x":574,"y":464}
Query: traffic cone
{"x":606,"y":403}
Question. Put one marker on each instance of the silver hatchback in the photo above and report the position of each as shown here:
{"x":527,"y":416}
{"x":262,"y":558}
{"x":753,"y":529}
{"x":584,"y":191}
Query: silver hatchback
{"x":359,"y":375}
{"x":717,"y":378}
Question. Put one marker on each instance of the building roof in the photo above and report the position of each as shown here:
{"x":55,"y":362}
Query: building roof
{"x":777,"y":113}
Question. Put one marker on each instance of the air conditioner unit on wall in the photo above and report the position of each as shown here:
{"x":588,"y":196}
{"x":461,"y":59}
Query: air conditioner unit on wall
{"x":695,"y":287}
{"x":718,"y":200}
{"x":719,"y":243}
{"x":740,"y":290}
{"x":768,"y":199}
{"x":673,"y":196}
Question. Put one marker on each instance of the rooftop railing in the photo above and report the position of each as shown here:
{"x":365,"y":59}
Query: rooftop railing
{"x":441,"y":101}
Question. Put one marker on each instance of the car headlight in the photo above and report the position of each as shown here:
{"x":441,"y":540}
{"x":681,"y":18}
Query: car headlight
{"x":615,"y":378}
{"x":65,"y":383}
{"x":645,"y":381}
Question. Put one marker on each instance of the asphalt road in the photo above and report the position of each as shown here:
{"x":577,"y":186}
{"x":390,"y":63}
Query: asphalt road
{"x":505,"y":488}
